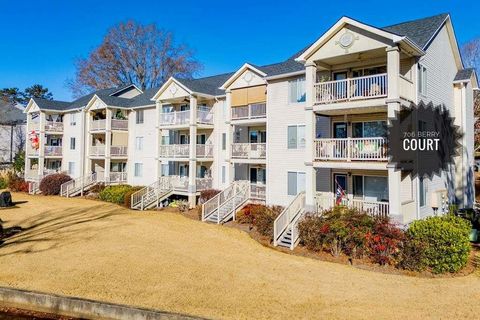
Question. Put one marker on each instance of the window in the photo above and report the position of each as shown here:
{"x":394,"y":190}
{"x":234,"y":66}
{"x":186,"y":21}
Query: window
{"x":423,"y":192}
{"x":224,"y":172}
{"x":138,"y":169}
{"x":71,"y":168}
{"x":296,"y":183}
{"x":370,"y":129}
{"x":139,"y":117}
{"x":201,"y":138}
{"x":422,"y":79}
{"x":370,"y":188}
{"x":297,"y":90}
{"x":165,"y":169}
{"x":139,"y":143}
{"x":72,"y":143}
{"x":224,"y":141}
{"x":73,"y":119}
{"x":296,"y":137}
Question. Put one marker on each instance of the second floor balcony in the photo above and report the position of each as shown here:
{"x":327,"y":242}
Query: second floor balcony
{"x":53,"y":151}
{"x":351,"y":149}
{"x":249,"y":112}
{"x":115,"y":124}
{"x":182,"y":118}
{"x":182,"y":151}
{"x":115,"y":151}
{"x":53,"y":126}
{"x":253,"y":151}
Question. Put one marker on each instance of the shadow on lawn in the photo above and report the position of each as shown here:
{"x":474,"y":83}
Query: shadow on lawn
{"x":55,"y":228}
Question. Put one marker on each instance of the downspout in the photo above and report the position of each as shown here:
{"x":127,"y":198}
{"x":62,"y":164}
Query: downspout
{"x":11,"y":142}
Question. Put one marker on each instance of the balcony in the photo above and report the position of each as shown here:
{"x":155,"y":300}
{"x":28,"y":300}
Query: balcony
{"x":117,"y":177}
{"x":52,"y":126}
{"x":258,"y":191}
{"x":118,"y":151}
{"x":53,"y":151}
{"x":182,"y":118}
{"x":97,"y":151}
{"x":351,"y":149}
{"x":174,"y":151}
{"x":253,"y":151}
{"x":204,"y":150}
{"x":250,"y":112}
{"x":374,"y":208}
{"x":351,"y":89}
{"x":98,"y":125}
{"x":119,"y":124}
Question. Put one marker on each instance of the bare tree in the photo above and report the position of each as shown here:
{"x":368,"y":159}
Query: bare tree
{"x":133,"y":53}
{"x":471,"y":53}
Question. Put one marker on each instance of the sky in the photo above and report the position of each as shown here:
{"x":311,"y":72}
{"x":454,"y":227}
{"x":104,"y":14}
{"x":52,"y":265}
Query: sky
{"x":42,"y":39}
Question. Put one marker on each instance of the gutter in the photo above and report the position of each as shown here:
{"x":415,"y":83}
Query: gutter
{"x":285,"y":75}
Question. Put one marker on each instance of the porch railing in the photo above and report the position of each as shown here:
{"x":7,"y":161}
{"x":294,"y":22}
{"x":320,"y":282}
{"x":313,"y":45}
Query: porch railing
{"x":204,"y":150}
{"x":249,"y":150}
{"x":53,"y":151}
{"x":175,"y":118}
{"x":97,"y":125}
{"x":118,"y":151}
{"x":53,"y":126}
{"x":374,"y":208}
{"x":251,"y":111}
{"x":347,"y":149}
{"x":204,"y":116}
{"x":258,"y":191}
{"x":117,"y":177}
{"x":174,"y":150}
{"x":118,"y":124}
{"x":203,"y":183}
{"x":97,"y":150}
{"x":374,"y":86}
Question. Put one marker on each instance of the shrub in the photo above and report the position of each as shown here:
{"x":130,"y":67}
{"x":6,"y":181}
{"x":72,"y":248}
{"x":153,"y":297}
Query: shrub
{"x":17,"y":184}
{"x":127,"y":198}
{"x":246,"y":214}
{"x":207,"y":194}
{"x":50,"y":185}
{"x":97,"y":188}
{"x":264,"y":218}
{"x":3,"y":183}
{"x":384,"y":242}
{"x":311,"y":232}
{"x":412,"y":254}
{"x":183,"y":205}
{"x":447,"y":242}
{"x":114,"y":194}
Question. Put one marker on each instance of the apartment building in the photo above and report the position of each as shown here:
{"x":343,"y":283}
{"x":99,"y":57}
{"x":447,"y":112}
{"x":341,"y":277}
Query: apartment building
{"x":296,"y":131}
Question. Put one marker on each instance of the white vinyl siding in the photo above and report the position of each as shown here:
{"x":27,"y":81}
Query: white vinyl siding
{"x":296,"y":183}
{"x":139,"y":117}
{"x":138,"y":170}
{"x":296,"y":137}
{"x":296,"y":90}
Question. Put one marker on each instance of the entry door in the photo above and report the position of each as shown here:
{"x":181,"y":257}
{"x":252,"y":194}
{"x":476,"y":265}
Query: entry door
{"x":184,"y":139}
{"x":183,"y":170}
{"x":340,"y":88}
{"x":340,"y":75}
{"x":339,"y":187}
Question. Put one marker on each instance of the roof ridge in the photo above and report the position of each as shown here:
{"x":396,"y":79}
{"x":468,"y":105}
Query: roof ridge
{"x":415,"y":20}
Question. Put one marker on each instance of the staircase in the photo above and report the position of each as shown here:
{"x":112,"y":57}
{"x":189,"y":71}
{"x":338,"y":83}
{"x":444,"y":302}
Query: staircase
{"x":78,"y":186}
{"x":285,"y":227}
{"x":224,"y":205}
{"x":151,"y":195}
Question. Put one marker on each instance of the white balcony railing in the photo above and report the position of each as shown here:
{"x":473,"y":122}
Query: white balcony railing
{"x":374,"y":86}
{"x":97,"y":125}
{"x":53,"y":151}
{"x":374,"y":208}
{"x":97,"y":150}
{"x":203,"y":183}
{"x":252,"y":111}
{"x":258,"y":191}
{"x":204,"y":116}
{"x":53,"y":126}
{"x":117,"y":151}
{"x":174,"y":150}
{"x":175,"y":118}
{"x":204,"y":150}
{"x":347,"y":149}
{"x":249,"y":150}
{"x":119,"y":124}
{"x":117,"y":177}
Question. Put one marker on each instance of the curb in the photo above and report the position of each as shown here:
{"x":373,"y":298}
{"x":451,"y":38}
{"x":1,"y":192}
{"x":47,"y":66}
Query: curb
{"x":79,"y":307}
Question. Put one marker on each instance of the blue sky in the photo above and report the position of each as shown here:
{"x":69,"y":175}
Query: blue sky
{"x":43,"y":38}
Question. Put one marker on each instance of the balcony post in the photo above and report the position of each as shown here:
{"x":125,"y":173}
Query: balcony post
{"x":42,"y":139}
{"x":393,"y":104}
{"x":192,"y":163}
{"x":158,"y":140}
{"x":229,"y":172}
{"x":310,"y":187}
{"x":108,"y":142}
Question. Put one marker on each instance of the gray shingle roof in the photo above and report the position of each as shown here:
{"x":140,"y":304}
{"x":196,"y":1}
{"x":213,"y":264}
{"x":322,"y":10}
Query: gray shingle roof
{"x":10,"y":114}
{"x":51,"y":104}
{"x":464,"y":74}
{"x":208,"y":85}
{"x":420,"y":31}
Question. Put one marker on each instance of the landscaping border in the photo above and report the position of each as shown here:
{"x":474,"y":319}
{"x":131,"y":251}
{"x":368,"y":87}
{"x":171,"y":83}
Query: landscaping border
{"x":79,"y":307}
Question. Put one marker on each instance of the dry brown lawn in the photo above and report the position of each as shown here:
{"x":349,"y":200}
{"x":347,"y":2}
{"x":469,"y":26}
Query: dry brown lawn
{"x":165,"y":261}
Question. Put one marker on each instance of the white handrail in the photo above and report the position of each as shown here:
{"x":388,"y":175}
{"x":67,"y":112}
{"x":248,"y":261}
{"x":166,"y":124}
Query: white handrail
{"x":236,"y":193}
{"x":96,"y":125}
{"x":249,"y":150}
{"x":175,"y":118}
{"x":374,"y":208}
{"x":288,"y":216}
{"x":366,"y":149}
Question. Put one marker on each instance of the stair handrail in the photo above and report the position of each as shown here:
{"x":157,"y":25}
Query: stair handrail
{"x":145,"y":193}
{"x":65,"y":187}
{"x":287,"y":216}
{"x":219,"y":200}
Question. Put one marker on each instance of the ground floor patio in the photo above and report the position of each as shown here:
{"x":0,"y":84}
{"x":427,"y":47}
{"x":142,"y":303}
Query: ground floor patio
{"x":166,"y":261}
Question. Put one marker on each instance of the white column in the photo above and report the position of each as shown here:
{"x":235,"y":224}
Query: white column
{"x":88,"y":144}
{"x":310,"y":185}
{"x":230,"y":170}
{"x":393,"y":104}
{"x":108,"y":142}
{"x":192,"y":163}
{"x":42,"y":139}
{"x":158,"y":140}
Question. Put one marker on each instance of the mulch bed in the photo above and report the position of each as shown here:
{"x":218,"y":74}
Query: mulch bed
{"x":20,"y":314}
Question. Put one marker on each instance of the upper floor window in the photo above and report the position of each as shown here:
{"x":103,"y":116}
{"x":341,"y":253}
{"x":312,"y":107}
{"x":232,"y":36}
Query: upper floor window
{"x":72,"y":143}
{"x":296,"y":137}
{"x":73,"y":119}
{"x":295,"y":183}
{"x":224,"y":141}
{"x":296,"y":89}
{"x":139,"y":117}
{"x":139,"y":143}
{"x":138,"y":169}
{"x":422,"y":79}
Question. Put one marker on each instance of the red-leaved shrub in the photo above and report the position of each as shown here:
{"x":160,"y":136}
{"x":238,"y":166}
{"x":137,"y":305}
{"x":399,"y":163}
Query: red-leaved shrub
{"x":50,"y":185}
{"x":207,"y":194}
{"x":17,"y":184}
{"x":384,"y":242}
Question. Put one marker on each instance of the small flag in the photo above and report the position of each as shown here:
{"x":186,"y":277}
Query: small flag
{"x":340,"y":193}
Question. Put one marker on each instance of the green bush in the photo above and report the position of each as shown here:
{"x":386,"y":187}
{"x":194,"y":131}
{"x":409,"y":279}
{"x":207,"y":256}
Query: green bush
{"x":447,"y":242}
{"x":412,"y":254}
{"x":115,"y":194}
{"x":3,"y":183}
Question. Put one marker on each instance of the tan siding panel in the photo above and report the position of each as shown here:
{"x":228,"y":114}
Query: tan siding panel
{"x":239,"y":97}
{"x":257,"y":94}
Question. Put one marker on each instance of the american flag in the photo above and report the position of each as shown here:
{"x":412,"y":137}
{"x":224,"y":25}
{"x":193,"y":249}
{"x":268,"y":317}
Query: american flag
{"x":340,"y":193}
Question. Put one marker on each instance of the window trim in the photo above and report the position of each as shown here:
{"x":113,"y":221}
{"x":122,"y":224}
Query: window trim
{"x":421,"y":181}
{"x":140,"y":119}
{"x":140,"y":166}
{"x":297,"y":173}
{"x":297,"y":144}
{"x":74,"y":143}
{"x":296,"y":80}
{"x":422,"y":75}
{"x":137,"y":139}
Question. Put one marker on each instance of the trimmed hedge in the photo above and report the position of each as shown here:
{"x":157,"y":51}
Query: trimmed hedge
{"x":447,"y":242}
{"x":50,"y":185}
{"x":115,"y":194}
